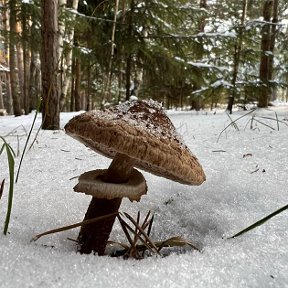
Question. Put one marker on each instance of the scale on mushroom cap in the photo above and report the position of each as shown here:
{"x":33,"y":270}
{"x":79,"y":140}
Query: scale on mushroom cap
{"x":134,"y":134}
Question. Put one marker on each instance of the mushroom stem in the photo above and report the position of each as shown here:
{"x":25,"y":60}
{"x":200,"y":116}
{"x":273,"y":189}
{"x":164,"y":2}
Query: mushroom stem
{"x":120,"y":169}
{"x":94,"y":236}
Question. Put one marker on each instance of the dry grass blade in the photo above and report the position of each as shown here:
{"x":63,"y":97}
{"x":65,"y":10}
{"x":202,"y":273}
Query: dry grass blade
{"x":144,"y":225}
{"x":124,"y":246}
{"x":124,"y":226}
{"x":176,"y":241}
{"x":278,"y":126}
{"x":86,"y":222}
{"x":129,"y":251}
{"x":233,"y":123}
{"x":264,"y":124}
{"x":150,"y":225}
{"x":147,"y":242}
{"x":133,"y":250}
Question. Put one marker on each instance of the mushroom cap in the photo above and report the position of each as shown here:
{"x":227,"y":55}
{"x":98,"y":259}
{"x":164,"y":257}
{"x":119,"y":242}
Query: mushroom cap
{"x":92,"y":183}
{"x":142,"y":131}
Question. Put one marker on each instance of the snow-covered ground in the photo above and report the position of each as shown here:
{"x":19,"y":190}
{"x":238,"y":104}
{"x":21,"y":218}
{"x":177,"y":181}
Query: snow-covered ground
{"x":247,"y":179}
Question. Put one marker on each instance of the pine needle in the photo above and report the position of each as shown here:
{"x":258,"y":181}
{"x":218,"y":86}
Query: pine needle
{"x":260,"y":222}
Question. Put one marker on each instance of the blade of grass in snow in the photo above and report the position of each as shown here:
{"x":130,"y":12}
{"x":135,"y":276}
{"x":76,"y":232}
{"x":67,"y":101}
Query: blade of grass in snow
{"x":2,"y":188}
{"x":11,"y":163}
{"x":260,"y":222}
{"x":233,"y":123}
{"x":264,"y":124}
{"x":28,"y":138}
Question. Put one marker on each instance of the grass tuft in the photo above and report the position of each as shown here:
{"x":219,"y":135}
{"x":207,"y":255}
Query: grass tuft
{"x":137,"y":234}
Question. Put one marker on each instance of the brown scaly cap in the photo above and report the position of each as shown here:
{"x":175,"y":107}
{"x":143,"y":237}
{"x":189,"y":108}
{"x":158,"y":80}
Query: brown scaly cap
{"x":141,"y":130}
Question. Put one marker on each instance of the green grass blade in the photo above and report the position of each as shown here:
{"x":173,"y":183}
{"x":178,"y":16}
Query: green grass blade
{"x":2,"y":188}
{"x":11,"y":164}
{"x":260,"y":222}
{"x":2,"y":148}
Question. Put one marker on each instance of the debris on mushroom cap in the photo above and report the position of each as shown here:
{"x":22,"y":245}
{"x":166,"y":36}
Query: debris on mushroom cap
{"x":141,"y":130}
{"x":92,"y":183}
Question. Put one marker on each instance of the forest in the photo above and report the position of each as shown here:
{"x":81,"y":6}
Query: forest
{"x":72,"y":55}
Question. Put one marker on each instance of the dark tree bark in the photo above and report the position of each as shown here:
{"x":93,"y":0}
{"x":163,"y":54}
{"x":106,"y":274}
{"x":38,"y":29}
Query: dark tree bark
{"x":77,"y":94}
{"x":88,"y":89}
{"x":237,"y":57}
{"x":20,"y":65}
{"x":129,"y":57}
{"x":1,"y":97}
{"x":264,"y":61}
{"x":67,"y":60}
{"x":13,"y":59}
{"x":7,"y":97}
{"x":274,"y":32}
{"x":49,"y":65}
{"x":26,"y":58}
{"x":196,"y":103}
{"x":72,"y":99}
{"x":8,"y":101}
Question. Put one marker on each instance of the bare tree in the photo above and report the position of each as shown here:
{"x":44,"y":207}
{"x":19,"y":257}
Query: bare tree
{"x":49,"y":65}
{"x":26,"y":57}
{"x":67,"y":67}
{"x":13,"y":58}
{"x":237,"y":56}
{"x":268,"y":33}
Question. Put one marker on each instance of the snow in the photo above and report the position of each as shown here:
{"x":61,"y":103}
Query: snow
{"x":239,"y":190}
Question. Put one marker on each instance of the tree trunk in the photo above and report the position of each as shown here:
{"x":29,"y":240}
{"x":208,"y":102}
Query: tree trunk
{"x":26,"y":58}
{"x":49,"y":65}
{"x":7,"y":98}
{"x":1,"y":96}
{"x":12,"y":59}
{"x":67,"y":77}
{"x":20,"y":65}
{"x":274,"y":32}
{"x":72,"y":97}
{"x":108,"y":77}
{"x":196,"y":102}
{"x":61,"y":28}
{"x":8,"y":102}
{"x":264,"y":61}
{"x":237,"y":57}
{"x":77,"y":94}
{"x":129,"y":57}
{"x":88,"y":89}
{"x":34,"y":89}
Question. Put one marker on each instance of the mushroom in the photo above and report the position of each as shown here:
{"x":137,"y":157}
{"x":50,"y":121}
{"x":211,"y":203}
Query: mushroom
{"x":134,"y":134}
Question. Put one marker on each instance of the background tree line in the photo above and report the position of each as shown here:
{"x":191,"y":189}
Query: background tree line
{"x":79,"y":55}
